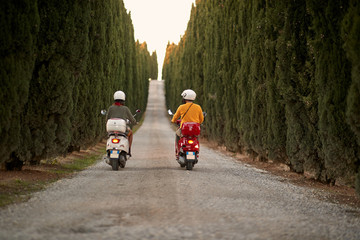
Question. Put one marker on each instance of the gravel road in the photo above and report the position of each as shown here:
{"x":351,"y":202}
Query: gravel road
{"x":153,"y":198}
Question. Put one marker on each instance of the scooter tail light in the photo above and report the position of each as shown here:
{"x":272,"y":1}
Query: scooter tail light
{"x":191,"y":141}
{"x":115,"y":140}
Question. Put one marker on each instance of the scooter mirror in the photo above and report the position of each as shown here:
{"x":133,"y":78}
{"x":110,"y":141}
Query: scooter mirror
{"x":138,"y":110}
{"x":170,"y":112}
{"x":204,"y":113}
{"x":103,"y":112}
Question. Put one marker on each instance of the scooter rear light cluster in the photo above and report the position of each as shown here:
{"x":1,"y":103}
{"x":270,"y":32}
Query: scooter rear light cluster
{"x":191,"y":141}
{"x":115,"y":140}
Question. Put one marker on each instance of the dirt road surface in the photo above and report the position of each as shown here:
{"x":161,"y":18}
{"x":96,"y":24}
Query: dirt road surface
{"x":153,"y":198}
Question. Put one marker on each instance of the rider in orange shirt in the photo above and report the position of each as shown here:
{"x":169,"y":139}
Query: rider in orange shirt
{"x":188,"y":111}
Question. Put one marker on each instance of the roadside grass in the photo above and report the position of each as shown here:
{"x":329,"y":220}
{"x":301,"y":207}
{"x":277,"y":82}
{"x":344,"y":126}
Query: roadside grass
{"x":79,"y":164}
{"x":23,"y":184}
{"x":18,"y":190}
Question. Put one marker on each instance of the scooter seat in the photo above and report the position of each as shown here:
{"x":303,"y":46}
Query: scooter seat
{"x":117,"y":134}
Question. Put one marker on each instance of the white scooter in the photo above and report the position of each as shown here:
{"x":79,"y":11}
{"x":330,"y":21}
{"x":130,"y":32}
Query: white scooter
{"x":117,"y":145}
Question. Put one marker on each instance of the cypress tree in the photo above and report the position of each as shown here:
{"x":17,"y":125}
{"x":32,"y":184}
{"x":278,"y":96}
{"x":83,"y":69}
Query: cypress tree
{"x":19,"y":27}
{"x":154,"y":66}
{"x":296,"y":85}
{"x":332,"y":77}
{"x":351,"y":37}
{"x":228,"y":64}
{"x":242,"y":76}
{"x":275,"y":142}
{"x":53,"y":79}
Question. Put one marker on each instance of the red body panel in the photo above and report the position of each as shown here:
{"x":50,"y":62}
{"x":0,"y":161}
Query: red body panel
{"x":186,"y":146}
{"x":190,"y":132}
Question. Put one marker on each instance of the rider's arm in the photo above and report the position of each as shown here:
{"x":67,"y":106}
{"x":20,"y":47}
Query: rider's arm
{"x":201,"y":116}
{"x":108,"y":115}
{"x":176,"y":115}
{"x":130,"y":117}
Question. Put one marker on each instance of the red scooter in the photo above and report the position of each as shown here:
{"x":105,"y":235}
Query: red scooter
{"x":188,"y":147}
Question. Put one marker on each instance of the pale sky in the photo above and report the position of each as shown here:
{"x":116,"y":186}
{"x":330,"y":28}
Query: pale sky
{"x":158,"y":22}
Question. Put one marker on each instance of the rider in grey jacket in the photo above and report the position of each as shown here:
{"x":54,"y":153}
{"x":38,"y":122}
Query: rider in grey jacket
{"x":119,"y":110}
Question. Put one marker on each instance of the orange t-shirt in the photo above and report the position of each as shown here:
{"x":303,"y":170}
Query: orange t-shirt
{"x":194,"y":114}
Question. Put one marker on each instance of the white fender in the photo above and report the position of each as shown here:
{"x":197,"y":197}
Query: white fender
{"x":123,"y":145}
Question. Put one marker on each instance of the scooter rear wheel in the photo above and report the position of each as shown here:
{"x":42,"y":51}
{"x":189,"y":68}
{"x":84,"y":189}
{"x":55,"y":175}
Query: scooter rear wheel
{"x":114,"y":164}
{"x":189,"y":166}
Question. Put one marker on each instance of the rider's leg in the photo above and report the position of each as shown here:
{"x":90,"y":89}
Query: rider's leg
{"x":130,"y":138}
{"x":178,"y":135}
{"x":177,"y":138}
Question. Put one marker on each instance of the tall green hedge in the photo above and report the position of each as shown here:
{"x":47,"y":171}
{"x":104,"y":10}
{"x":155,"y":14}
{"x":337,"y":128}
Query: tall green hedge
{"x":61,"y":62}
{"x":278,"y":79}
{"x":19,"y":29}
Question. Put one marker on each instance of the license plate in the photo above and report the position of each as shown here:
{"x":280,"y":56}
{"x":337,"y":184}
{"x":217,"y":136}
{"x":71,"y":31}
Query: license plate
{"x":190,"y":155}
{"x":114,"y":154}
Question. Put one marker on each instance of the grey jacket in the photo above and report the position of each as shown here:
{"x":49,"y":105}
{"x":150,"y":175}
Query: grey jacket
{"x":120,"y":112}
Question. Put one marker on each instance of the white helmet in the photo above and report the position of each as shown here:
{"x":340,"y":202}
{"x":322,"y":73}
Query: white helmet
{"x":119,"y":95}
{"x":188,"y":94}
